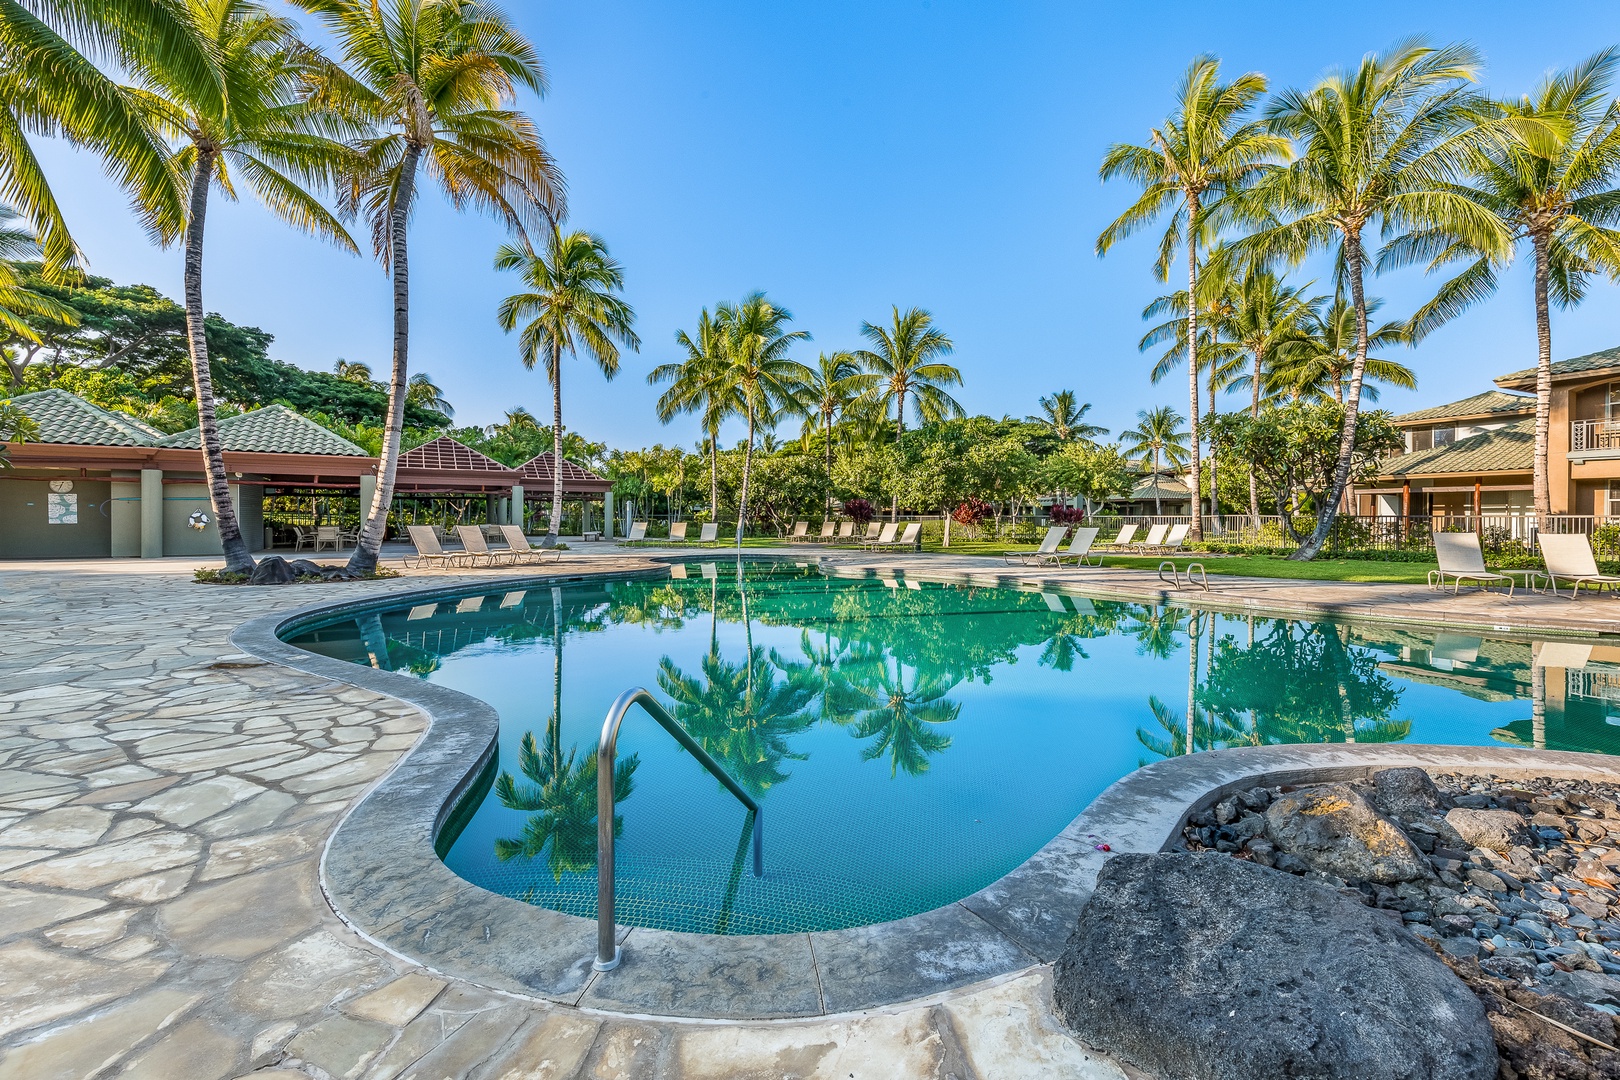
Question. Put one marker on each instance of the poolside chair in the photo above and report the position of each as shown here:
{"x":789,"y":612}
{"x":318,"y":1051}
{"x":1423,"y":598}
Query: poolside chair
{"x":428,"y":551}
{"x":885,"y":537}
{"x":1127,"y":533}
{"x":638,"y":534}
{"x":846,"y":533}
{"x":677,"y":532}
{"x":874,"y":529}
{"x":474,"y":546}
{"x":1078,"y":550}
{"x":708,"y":533}
{"x":1171,"y":541}
{"x":1154,"y":538}
{"x":825,"y":536}
{"x":907,"y":539}
{"x":522,"y":550}
{"x":801,"y":530}
{"x":1461,"y":560}
{"x":1048,"y":547}
{"x":1570,"y":557}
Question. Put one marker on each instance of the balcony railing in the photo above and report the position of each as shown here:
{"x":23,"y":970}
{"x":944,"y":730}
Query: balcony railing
{"x":1594,"y":435}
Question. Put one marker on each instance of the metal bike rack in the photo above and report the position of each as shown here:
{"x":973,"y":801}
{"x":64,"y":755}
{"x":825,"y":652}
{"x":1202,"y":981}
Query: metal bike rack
{"x":607,"y":946}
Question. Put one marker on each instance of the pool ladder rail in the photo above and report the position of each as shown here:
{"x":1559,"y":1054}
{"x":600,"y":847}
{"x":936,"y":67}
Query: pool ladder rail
{"x":608,"y":953}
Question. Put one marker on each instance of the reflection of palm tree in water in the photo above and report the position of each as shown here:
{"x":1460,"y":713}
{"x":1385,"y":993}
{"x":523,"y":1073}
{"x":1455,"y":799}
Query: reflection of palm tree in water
{"x":743,"y":714}
{"x":900,"y":719}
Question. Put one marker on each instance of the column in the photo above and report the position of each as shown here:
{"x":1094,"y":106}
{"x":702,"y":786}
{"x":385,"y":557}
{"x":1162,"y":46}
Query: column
{"x":1478,"y":504}
{"x":151,"y":513}
{"x":607,"y":515}
{"x":1406,"y":508}
{"x":368,"y":492}
{"x":515,"y":514}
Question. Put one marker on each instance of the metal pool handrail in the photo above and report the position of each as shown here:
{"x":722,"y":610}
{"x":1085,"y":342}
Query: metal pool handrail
{"x":607,"y":946}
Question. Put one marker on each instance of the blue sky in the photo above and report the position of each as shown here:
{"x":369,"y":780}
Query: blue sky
{"x":846,"y":156}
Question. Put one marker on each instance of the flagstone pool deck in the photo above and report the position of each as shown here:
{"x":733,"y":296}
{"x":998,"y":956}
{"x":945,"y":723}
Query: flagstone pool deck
{"x":165,"y":799}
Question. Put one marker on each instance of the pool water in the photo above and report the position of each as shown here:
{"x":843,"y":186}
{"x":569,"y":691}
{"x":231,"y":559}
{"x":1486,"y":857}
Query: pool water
{"x":908,"y":742}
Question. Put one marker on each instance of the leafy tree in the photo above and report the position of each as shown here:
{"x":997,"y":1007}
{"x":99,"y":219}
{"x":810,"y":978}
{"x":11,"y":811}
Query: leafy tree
{"x":1204,"y":150}
{"x":16,"y":426}
{"x":1158,"y":433}
{"x":573,"y":304}
{"x":431,"y":79}
{"x":1095,"y":473}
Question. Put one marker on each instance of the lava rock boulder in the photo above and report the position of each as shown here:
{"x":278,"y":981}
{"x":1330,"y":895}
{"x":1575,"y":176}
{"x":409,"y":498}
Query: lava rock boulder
{"x":1335,"y":830}
{"x":272,"y":570}
{"x":1495,"y":830}
{"x":1406,"y":793}
{"x":1206,"y":967}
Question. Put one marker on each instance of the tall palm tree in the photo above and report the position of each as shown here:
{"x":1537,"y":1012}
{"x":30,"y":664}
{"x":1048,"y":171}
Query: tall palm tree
{"x":695,"y":386}
{"x":424,"y":393}
{"x":49,"y":87}
{"x":756,"y":372}
{"x":828,"y":394}
{"x":904,"y":361}
{"x":1318,"y":365}
{"x":743,"y":714}
{"x":18,"y":302}
{"x":1204,"y":150}
{"x":1381,"y":143}
{"x":1066,"y":418}
{"x":1556,"y":188}
{"x":432,"y":77}
{"x":573,"y":304}
{"x":1268,"y":319}
{"x":1158,"y":432}
{"x":261,"y":135}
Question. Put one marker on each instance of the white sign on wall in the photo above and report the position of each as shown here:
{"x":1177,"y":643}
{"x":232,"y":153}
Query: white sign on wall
{"x":62,"y":509}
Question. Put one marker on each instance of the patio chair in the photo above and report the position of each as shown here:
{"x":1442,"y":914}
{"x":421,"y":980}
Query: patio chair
{"x":846,"y":533}
{"x":825,"y":535}
{"x":428,"y":551}
{"x":302,"y":538}
{"x":1127,"y":533}
{"x":327,"y":534}
{"x":709,"y":534}
{"x":1154,"y":538}
{"x":1172,"y":540}
{"x":800,"y":533}
{"x":638,"y":534}
{"x":1461,"y":560}
{"x":522,"y":550}
{"x":885,"y":537}
{"x":906,"y":539}
{"x":677,"y":532}
{"x":474,"y":546}
{"x":1049,"y":546}
{"x":1570,"y":557}
{"x":1078,"y":550}
{"x":874,"y":529}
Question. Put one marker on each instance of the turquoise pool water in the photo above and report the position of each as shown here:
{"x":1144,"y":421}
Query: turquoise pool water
{"x":909,"y":742}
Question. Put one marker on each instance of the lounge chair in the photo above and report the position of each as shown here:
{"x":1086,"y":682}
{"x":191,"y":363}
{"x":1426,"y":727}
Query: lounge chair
{"x":874,"y":530}
{"x":474,"y":546}
{"x":638,"y":534}
{"x":907,"y":538}
{"x":522,"y":550}
{"x":1048,"y":547}
{"x":826,"y":534}
{"x":709,"y":533}
{"x":800,"y":533}
{"x":885,"y":537}
{"x":1127,"y":533}
{"x":1461,"y":560}
{"x":1570,"y":557}
{"x":677,"y":532}
{"x":1078,"y":550}
{"x":428,"y":551}
{"x":846,"y":533}
{"x":1171,"y":541}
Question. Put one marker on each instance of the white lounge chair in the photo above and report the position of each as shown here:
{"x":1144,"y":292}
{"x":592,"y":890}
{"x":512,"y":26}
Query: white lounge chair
{"x":1171,"y":541}
{"x":846,"y":533}
{"x":474,"y":546}
{"x":1127,"y":533}
{"x":826,"y":534}
{"x":1461,"y":560}
{"x":907,"y":539}
{"x":709,"y":533}
{"x":874,"y":529}
{"x":522,"y":550}
{"x":428,"y":551}
{"x":801,"y":531}
{"x":1154,"y":538}
{"x":1570,"y":557}
{"x":677,"y":532}
{"x":885,"y":537}
{"x":638,"y":534}
{"x":1079,"y":549}
{"x":1048,"y":547}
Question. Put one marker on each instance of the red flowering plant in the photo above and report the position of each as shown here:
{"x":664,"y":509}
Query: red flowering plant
{"x":1067,"y":515}
{"x":859,"y":510}
{"x":971,"y":512}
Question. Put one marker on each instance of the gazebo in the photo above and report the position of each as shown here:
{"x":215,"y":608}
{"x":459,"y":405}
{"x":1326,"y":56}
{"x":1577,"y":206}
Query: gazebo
{"x":540,"y":473}
{"x":445,"y":469}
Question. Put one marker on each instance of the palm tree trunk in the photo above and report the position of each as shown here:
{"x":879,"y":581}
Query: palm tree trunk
{"x":1158,"y":503}
{"x":1541,"y":482}
{"x":1192,"y":679}
{"x":364,"y":559}
{"x":555,"y":524}
{"x":826,"y":504}
{"x":1197,"y":531}
{"x":237,"y":558}
{"x":899,"y":430}
{"x":714,"y":474}
{"x":1329,"y":509}
{"x":748,"y":466}
{"x":1254,"y":412}
{"x":1214,"y":480}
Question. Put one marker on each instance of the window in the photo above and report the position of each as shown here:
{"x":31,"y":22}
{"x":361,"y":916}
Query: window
{"x":1422,"y":438}
{"x":1444,"y":436}
{"x":1609,"y":502}
{"x":1611,"y":403}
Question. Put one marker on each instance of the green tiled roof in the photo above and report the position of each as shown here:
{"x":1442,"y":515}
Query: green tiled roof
{"x":1510,"y":448}
{"x":274,"y":429}
{"x":67,"y":419}
{"x":1486,"y":404}
{"x":1598,"y":361}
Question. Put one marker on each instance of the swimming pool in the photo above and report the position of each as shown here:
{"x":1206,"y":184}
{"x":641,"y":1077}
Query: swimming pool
{"x":909,"y":742}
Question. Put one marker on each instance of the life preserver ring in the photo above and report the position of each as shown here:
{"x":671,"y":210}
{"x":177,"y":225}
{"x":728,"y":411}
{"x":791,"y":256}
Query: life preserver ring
{"x":198,"y":520}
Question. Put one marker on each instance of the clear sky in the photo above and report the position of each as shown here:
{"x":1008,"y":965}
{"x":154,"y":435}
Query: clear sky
{"x":846,"y":156}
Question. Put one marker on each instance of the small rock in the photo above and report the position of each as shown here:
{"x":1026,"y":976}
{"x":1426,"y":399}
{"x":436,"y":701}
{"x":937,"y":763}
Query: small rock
{"x":1334,"y":829}
{"x":1495,"y":830}
{"x":1588,"y":986}
{"x":1408,"y":793}
{"x":1486,"y":880}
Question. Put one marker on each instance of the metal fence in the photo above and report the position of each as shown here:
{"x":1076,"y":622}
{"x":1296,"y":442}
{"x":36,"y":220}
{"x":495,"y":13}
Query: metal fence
{"x":1390,"y":532}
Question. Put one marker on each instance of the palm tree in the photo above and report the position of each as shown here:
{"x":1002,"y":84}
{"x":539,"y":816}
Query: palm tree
{"x":828,"y":394}
{"x":1157,"y":432}
{"x":902,"y":721}
{"x":258,"y":134}
{"x":904,"y":362}
{"x":696,"y":387}
{"x":560,"y":798}
{"x":1319,"y":364}
{"x":1203,"y":151}
{"x":432,"y":77}
{"x":742,"y":714}
{"x":573,"y":304}
{"x":1557,"y":188}
{"x":352,"y":371}
{"x":1268,"y":319}
{"x":1380,"y":143}
{"x":424,"y":393}
{"x":47,"y":86}
{"x":755,"y":371}
{"x":19,"y":302}
{"x":1066,"y":419}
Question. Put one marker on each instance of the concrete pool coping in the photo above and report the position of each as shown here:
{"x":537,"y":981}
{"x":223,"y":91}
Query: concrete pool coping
{"x":383,"y":877}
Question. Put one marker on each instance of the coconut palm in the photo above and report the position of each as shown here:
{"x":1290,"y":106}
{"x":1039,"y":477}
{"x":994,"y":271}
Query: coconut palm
{"x":424,"y":393}
{"x":1380,"y":144}
{"x":431,"y":78}
{"x":352,"y":371}
{"x":904,"y":362}
{"x":901,"y":721}
{"x":1268,"y":319}
{"x":1065,"y":418}
{"x":560,"y":797}
{"x":743,"y":714}
{"x":829,"y":393}
{"x":1158,"y":433}
{"x":573,"y":305}
{"x":1318,"y":365}
{"x":696,"y":387}
{"x":1203,"y":151}
{"x":1556,"y":189}
{"x":259,"y":135}
{"x":18,"y":302}
{"x":49,"y":87}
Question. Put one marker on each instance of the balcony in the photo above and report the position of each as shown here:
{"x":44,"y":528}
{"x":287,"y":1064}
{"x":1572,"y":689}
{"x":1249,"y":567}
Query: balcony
{"x":1594,"y":439}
